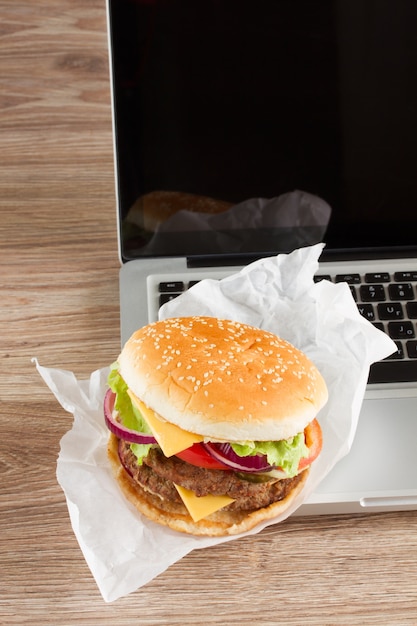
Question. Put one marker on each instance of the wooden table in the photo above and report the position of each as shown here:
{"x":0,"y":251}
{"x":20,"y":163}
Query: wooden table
{"x":59,"y":302}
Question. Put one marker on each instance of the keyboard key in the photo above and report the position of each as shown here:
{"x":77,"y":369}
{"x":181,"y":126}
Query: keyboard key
{"x":402,"y":291}
{"x":412,"y":349}
{"x":319,"y":277}
{"x":166,"y":297}
{"x":390,"y":311}
{"x":192,"y":283}
{"x":401,"y":330}
{"x":352,"y":279}
{"x":367,"y":310}
{"x":369,"y":293}
{"x":401,"y":277}
{"x":377,"y":277}
{"x":379,"y":326}
{"x":412,"y":310}
{"x":394,"y":371}
{"x":170,"y":287}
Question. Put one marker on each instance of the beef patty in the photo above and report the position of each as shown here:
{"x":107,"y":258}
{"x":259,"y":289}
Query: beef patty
{"x":158,"y":473}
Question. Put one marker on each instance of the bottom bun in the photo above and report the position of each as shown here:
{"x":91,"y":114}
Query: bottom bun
{"x":176,"y":516}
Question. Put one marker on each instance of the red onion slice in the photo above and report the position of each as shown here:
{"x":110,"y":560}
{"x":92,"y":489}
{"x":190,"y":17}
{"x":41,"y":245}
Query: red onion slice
{"x":224,"y":452}
{"x":129,"y":435}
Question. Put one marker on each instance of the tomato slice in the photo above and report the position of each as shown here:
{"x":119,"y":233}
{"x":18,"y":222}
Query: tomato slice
{"x":198,"y":455}
{"x":314,"y":442}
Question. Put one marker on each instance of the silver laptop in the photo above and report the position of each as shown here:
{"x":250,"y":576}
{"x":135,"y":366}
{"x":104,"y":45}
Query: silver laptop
{"x":222,"y":108}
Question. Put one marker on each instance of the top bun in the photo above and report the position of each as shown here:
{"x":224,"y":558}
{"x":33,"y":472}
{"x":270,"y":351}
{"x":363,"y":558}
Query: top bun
{"x":222,"y":379}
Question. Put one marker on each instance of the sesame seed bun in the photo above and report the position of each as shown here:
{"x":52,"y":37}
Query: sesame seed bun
{"x":222,"y":379}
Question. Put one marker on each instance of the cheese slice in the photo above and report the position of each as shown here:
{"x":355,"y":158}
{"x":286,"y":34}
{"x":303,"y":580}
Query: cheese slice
{"x":171,"y":438}
{"x":200,"y":507}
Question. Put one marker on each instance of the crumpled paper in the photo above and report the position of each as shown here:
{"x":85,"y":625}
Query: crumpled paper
{"x":123,"y":549}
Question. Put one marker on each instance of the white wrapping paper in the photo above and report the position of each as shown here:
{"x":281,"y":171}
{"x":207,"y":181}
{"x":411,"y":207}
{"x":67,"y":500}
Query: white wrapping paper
{"x":124,"y":550}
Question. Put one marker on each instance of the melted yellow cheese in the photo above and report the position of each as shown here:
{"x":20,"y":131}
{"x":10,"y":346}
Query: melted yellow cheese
{"x":171,"y":438}
{"x":200,"y":507}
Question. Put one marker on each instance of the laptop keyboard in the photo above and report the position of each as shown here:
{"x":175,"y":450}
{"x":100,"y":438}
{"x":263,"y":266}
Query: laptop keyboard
{"x":387,"y":301}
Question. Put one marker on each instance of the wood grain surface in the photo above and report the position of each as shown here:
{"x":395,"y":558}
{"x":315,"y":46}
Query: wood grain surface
{"x":59,"y":302}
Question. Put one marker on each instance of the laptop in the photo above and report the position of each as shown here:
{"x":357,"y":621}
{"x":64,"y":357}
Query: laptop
{"x":224,"y":110}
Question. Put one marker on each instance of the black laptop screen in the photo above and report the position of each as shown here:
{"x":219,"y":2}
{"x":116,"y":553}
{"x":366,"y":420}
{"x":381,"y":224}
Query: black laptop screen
{"x":219,"y":102}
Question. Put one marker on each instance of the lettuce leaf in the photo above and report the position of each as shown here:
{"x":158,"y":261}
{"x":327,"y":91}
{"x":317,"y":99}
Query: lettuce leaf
{"x":129,"y":414}
{"x":140,"y":450}
{"x":285,"y":454}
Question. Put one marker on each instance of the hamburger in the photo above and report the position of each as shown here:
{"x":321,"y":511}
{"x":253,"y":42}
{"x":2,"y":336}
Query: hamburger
{"x":212,"y":423}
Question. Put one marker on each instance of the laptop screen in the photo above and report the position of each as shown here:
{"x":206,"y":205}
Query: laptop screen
{"x":223,"y":105}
